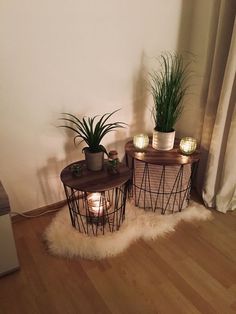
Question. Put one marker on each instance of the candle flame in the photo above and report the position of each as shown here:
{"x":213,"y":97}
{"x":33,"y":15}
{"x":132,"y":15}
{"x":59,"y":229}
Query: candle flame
{"x":97,"y":203}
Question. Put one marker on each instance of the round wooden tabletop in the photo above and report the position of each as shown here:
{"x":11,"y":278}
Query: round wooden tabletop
{"x":94,"y":181}
{"x":158,"y":157}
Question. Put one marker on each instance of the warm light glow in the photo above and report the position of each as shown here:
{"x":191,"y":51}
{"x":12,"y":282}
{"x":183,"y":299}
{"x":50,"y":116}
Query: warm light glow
{"x":141,"y":141}
{"x":184,"y":159}
{"x":139,"y":155}
{"x":188,"y":145}
{"x":97,"y":203}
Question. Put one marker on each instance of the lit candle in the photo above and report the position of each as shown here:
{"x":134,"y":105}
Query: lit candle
{"x":188,"y":145}
{"x":141,"y":141}
{"x":97,"y":203}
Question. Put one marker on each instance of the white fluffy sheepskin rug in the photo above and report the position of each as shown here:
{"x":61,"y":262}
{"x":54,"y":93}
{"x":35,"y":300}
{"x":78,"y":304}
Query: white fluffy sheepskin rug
{"x":64,"y":240}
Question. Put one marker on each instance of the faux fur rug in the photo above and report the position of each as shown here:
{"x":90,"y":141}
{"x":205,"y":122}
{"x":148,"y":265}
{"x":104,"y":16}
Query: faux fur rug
{"x":64,"y":240}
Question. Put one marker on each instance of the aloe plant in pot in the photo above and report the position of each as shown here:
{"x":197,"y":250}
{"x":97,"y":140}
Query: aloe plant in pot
{"x":92,"y":131}
{"x":168,"y":89}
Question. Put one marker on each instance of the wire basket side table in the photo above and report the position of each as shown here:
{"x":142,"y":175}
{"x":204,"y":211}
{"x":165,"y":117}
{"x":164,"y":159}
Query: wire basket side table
{"x":96,"y":200}
{"x":161,"y":180}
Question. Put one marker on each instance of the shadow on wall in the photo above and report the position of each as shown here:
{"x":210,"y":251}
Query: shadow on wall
{"x":121,"y":139}
{"x":196,"y":31}
{"x":192,"y":36}
{"x":205,"y":32}
{"x":139,"y":107}
{"x":140,"y":95}
{"x":49,"y":175}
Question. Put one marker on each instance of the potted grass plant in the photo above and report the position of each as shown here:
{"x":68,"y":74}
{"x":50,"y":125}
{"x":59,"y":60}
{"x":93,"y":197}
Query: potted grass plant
{"x":91,"y":131}
{"x":168,"y":90}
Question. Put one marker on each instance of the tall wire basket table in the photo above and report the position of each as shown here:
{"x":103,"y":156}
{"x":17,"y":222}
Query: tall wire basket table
{"x":161,"y":180}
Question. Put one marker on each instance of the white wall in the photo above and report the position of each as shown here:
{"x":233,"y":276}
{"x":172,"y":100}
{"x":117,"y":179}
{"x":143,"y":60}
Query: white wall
{"x":84,"y":57}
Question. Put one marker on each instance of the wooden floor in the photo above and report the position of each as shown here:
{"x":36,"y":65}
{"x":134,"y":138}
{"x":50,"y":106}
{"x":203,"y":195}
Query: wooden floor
{"x":193,"y":270}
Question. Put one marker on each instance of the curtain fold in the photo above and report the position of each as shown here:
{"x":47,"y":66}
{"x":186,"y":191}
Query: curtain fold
{"x":219,"y":189}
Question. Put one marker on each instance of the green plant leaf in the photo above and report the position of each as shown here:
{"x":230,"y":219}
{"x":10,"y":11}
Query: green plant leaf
{"x":168,"y":90}
{"x":90,"y":131}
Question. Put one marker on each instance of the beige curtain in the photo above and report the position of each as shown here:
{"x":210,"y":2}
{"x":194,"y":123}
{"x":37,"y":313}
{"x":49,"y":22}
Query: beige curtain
{"x":219,"y":127}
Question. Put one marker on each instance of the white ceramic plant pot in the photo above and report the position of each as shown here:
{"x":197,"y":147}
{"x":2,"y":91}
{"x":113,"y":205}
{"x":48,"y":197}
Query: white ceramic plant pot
{"x":163,"y":140}
{"x":94,"y":161}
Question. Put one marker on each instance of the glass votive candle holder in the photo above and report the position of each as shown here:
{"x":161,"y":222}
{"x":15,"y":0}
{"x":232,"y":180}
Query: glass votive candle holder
{"x":188,"y":145}
{"x":141,"y":141}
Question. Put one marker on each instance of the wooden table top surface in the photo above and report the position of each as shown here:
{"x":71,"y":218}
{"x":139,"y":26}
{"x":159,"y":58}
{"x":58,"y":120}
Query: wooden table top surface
{"x":158,"y":157}
{"x":94,"y":181}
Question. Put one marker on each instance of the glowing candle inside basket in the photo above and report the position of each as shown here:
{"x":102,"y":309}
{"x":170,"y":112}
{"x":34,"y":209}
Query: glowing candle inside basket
{"x":141,"y":141}
{"x":97,"y":203}
{"x":188,"y":145}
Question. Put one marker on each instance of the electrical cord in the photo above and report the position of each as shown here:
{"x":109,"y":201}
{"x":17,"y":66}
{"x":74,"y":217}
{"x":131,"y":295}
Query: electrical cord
{"x":37,"y":215}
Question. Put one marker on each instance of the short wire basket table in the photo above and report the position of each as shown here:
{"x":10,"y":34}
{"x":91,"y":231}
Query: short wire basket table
{"x":161,"y":180}
{"x":96,"y":199}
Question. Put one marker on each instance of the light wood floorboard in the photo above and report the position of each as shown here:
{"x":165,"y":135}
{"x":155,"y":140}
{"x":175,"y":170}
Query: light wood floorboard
{"x":192,"y":270}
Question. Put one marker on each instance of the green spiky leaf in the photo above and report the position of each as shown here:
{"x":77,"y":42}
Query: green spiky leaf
{"x":168,"y":90}
{"x":88,"y":130}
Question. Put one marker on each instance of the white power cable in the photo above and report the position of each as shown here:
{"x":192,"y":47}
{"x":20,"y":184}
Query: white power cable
{"x":37,"y":215}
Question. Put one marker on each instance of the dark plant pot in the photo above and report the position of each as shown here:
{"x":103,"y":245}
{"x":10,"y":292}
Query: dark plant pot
{"x":94,"y":161}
